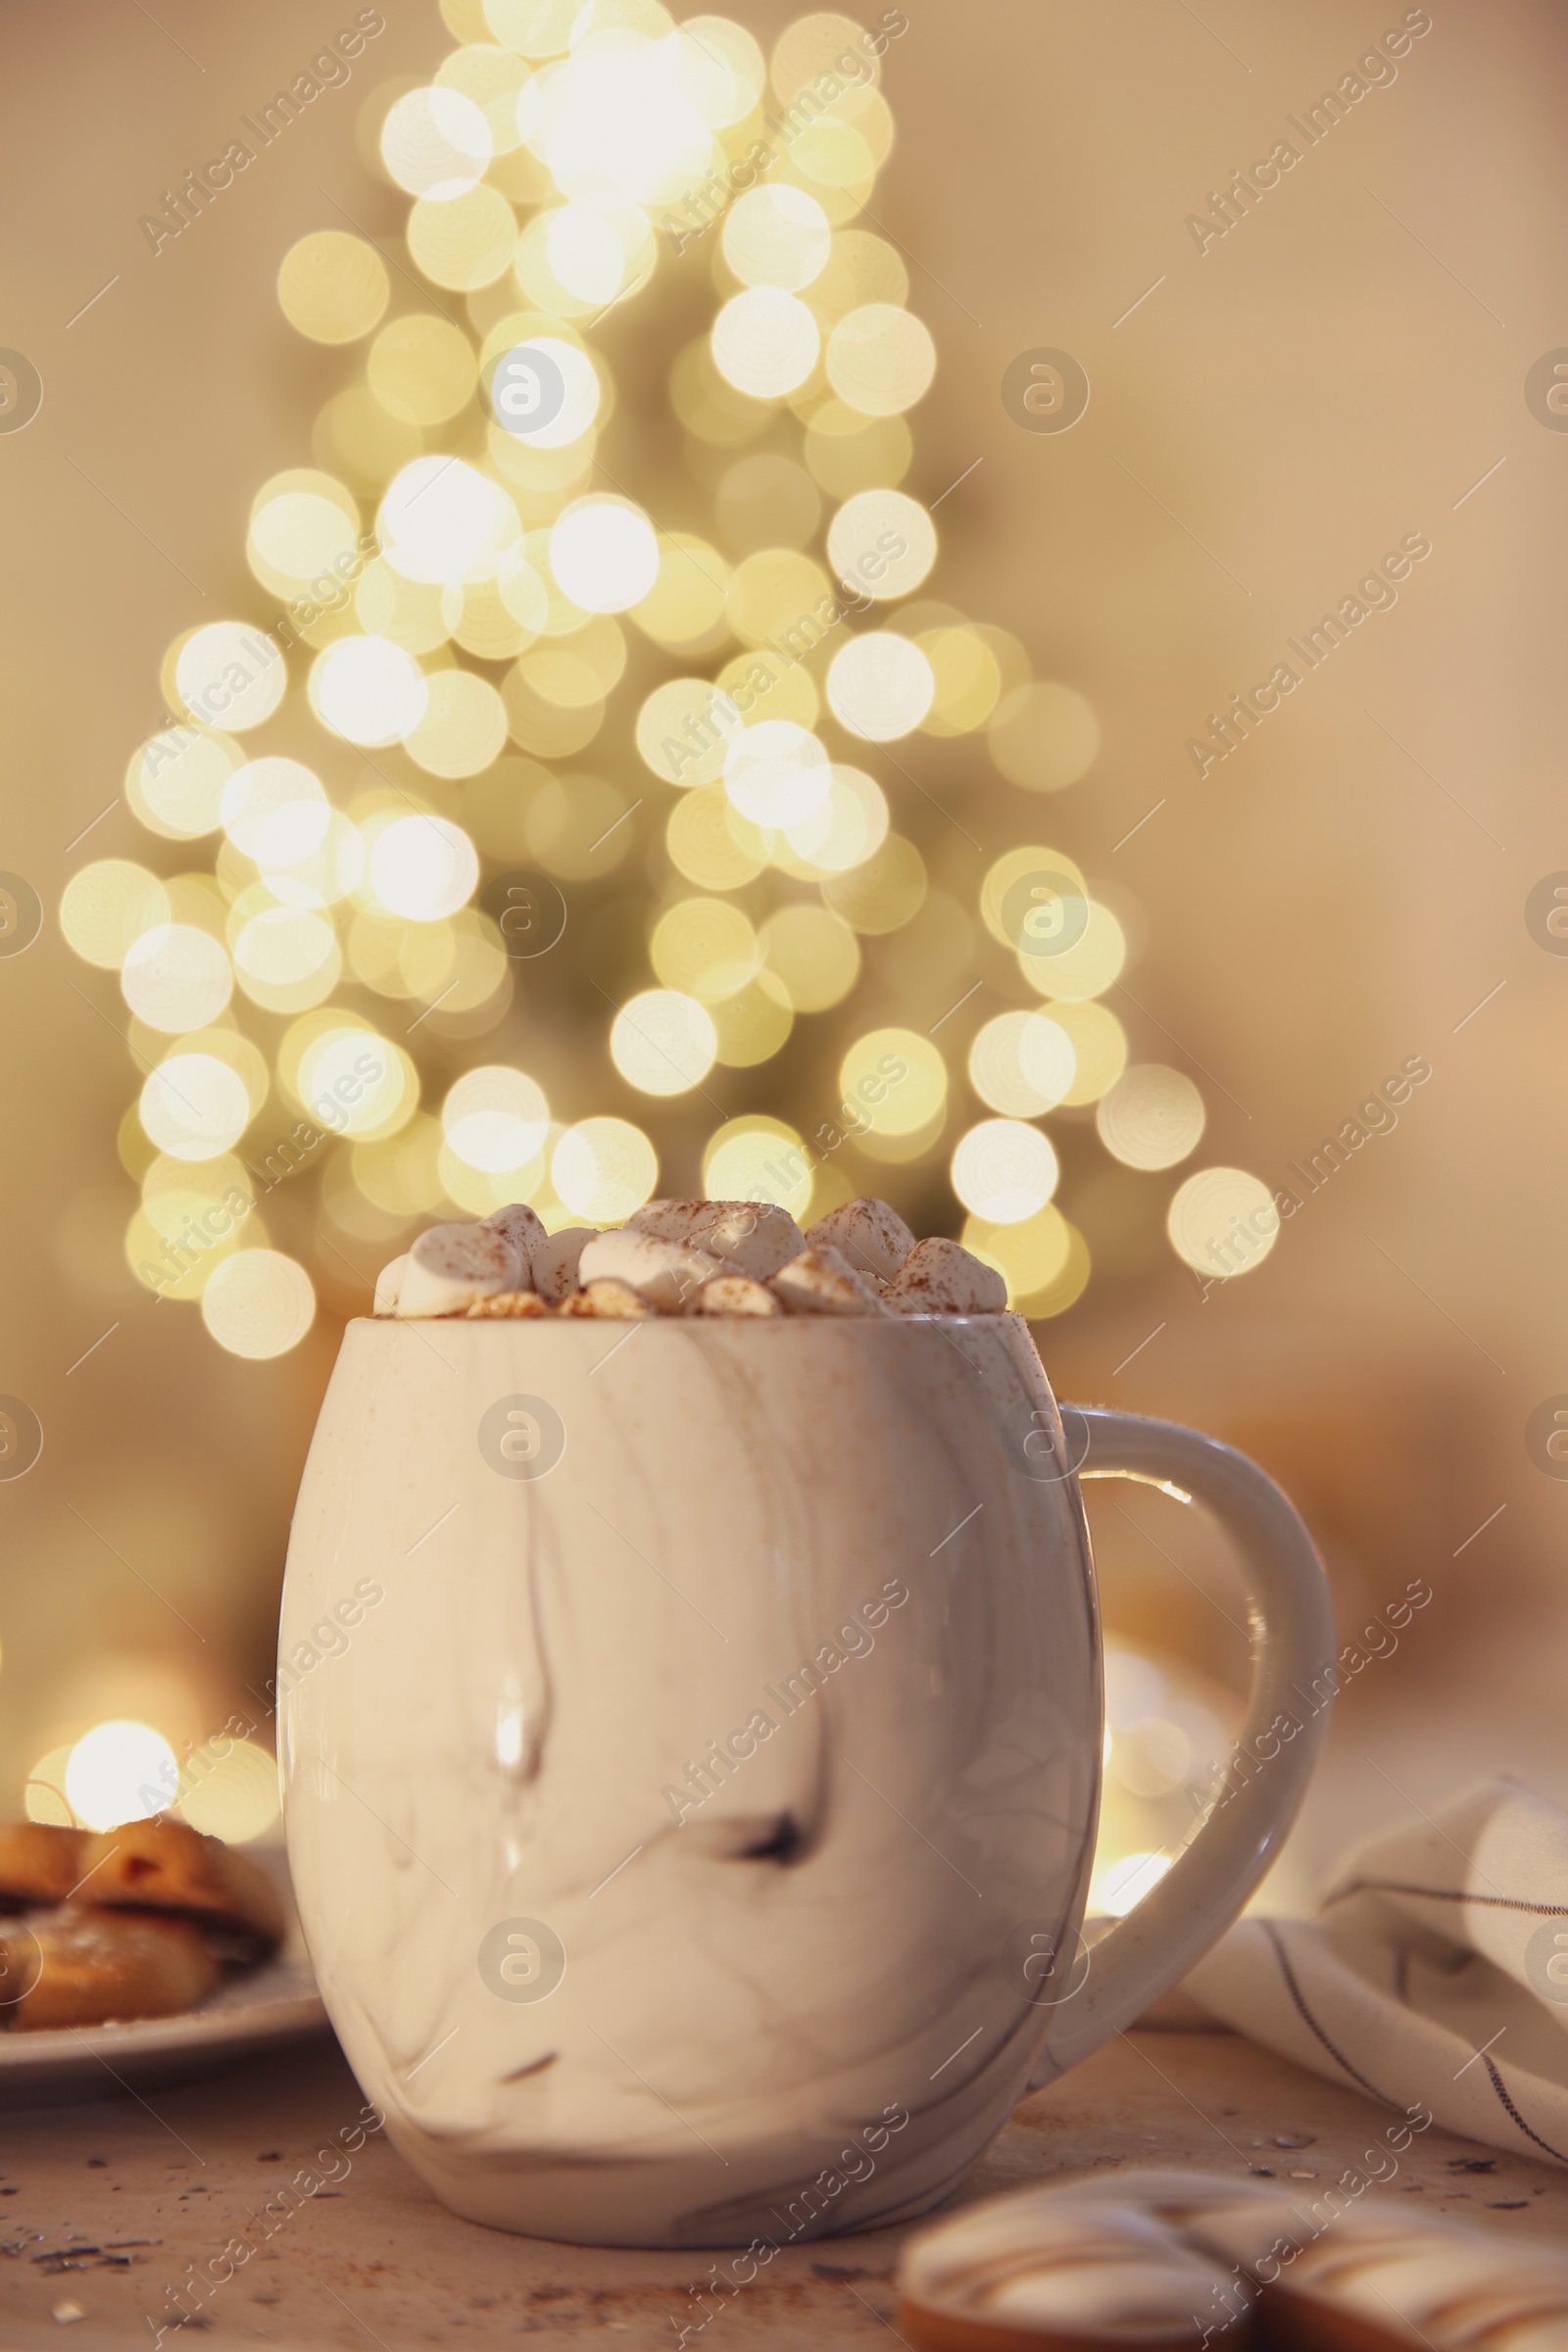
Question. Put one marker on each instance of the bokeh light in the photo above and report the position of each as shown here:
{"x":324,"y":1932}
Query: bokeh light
{"x":193,"y":1106}
{"x":880,"y":360}
{"x":230,"y":1793}
{"x":120,"y":1771}
{"x":882,"y":545}
{"x":1023,"y":1063}
{"x":777,"y":235}
{"x":1223,"y":1221}
{"x":757,"y":1159}
{"x":367,"y":689}
{"x":880,"y":685}
{"x":496,"y":1118}
{"x":423,"y":867}
{"x":333,"y":288}
{"x":259,"y":1304}
{"x":664,"y":1042}
{"x":436,"y":142}
{"x":766,"y":343}
{"x":603,"y":1169}
{"x":177,"y":978}
{"x":106,"y":907}
{"x":1153,"y":1117}
{"x":1005,"y":1170}
{"x":605,"y":554}
{"x":777,"y":773}
{"x":229,"y":674}
{"x":1044,"y":737}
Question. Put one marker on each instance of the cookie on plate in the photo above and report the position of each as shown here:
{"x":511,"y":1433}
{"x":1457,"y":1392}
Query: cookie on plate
{"x":160,"y":1865}
{"x":85,"y":1967}
{"x":39,"y":1863}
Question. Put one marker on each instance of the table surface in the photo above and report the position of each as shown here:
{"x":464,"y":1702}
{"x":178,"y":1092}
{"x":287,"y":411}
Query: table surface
{"x":106,"y":2205}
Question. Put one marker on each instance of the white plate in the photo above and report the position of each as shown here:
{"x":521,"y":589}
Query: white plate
{"x":254,"y":2010}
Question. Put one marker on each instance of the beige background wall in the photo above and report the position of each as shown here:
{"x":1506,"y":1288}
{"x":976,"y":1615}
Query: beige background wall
{"x":1338,"y":370}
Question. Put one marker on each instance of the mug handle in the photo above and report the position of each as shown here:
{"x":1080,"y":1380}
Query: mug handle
{"x":1291,"y":1619}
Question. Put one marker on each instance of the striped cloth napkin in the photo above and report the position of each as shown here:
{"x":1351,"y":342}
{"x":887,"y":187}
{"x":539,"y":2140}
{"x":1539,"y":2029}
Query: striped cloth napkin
{"x":1434,"y":1976}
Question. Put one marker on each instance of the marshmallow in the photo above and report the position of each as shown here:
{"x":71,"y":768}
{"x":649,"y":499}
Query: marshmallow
{"x":508,"y":1303}
{"x":939,"y":1278}
{"x":675,"y":1221}
{"x":389,"y":1285}
{"x":552,"y":1261}
{"x":610,"y":1298}
{"x":522,"y":1227}
{"x":450,"y":1267}
{"x":751,"y":1236}
{"x":823,"y":1282}
{"x":872,"y":1237}
{"x":665,"y":1273}
{"x":734,"y":1295}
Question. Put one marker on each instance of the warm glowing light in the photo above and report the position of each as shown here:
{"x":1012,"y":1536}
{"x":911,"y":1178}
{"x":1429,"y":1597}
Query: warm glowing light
{"x":367,"y":689}
{"x":1034,"y":897}
{"x":882,"y":544}
{"x":880,"y":360}
{"x":1152,"y":1117}
{"x":193,"y":1106}
{"x":286,"y":958}
{"x":777,"y":773}
{"x":463,"y":241}
{"x":177,"y":978}
{"x":435,"y":142}
{"x":686,"y":602}
{"x":229,"y":675}
{"x":884,"y":893}
{"x":329,"y":872}
{"x":849,"y":827}
{"x":897,"y":1078}
{"x":275,"y":812}
{"x":766,"y":343}
{"x":175,"y":782}
{"x":711,"y":843}
{"x":422,"y":369}
{"x":333,"y":288}
{"x":777,"y":235}
{"x":105,"y":907}
{"x":43,"y":1798}
{"x":440,"y":518}
{"x":969,"y":680}
{"x":423,"y":867}
{"x":1022,"y":1063}
{"x":705,"y":948}
{"x":233,"y":1795}
{"x":1005,"y":1170}
{"x":664,"y":1042}
{"x":120,"y":1770}
{"x":304,"y":527}
{"x":719,"y":69}
{"x":1223,"y":1221}
{"x":1073,"y":951}
{"x":813,"y":955}
{"x":545,"y":392}
{"x":753,"y":1023}
{"x":496,"y":1118}
{"x":757,"y":1159}
{"x":880,"y":685}
{"x":257,"y":1304}
{"x":1032,"y":1256}
{"x":603,"y":1169}
{"x":1044,"y":737}
{"x":605,"y":554}
{"x":774,"y":599}
{"x":352,"y":1081}
{"x":1100,"y":1049}
{"x":463,"y":728}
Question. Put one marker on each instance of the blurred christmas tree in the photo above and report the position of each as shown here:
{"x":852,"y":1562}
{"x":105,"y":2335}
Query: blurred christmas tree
{"x":569,"y":845}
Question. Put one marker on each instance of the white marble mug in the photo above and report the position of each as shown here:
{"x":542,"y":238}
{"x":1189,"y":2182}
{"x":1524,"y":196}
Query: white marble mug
{"x":691,"y":1737}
